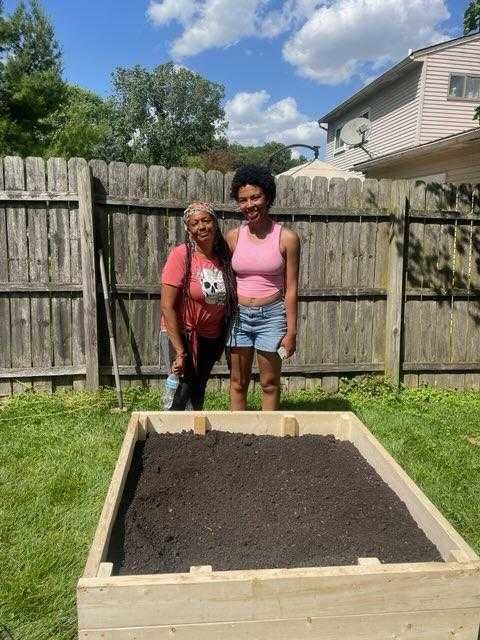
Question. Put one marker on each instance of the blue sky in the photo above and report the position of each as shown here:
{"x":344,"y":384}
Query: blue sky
{"x":283,"y":63}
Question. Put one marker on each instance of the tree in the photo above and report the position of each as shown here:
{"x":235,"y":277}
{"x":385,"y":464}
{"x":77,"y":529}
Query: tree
{"x":261,"y":154}
{"x":165,"y":115}
{"x":31,"y":83}
{"x":81,"y":126}
{"x":227,"y":157}
{"x":471,"y":18}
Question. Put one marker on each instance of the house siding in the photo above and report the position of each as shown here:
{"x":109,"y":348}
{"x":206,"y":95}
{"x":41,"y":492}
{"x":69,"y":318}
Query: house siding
{"x":441,"y":116}
{"x":456,"y":166}
{"x":394,"y":116}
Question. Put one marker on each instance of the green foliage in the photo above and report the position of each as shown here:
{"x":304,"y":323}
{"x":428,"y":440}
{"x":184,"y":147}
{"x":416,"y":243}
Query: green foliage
{"x":27,"y":128}
{"x":227,"y":157}
{"x":471,"y":18}
{"x":33,"y":46}
{"x":31,"y":86}
{"x":4,"y":31}
{"x":261,"y":154}
{"x":165,"y":115}
{"x":368,"y":387}
{"x":81,"y":125}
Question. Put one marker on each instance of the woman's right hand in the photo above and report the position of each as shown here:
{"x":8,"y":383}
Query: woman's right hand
{"x":178,"y":364}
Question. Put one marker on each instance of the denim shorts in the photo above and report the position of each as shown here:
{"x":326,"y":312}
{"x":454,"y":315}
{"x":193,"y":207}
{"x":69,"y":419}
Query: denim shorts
{"x":261,"y":328}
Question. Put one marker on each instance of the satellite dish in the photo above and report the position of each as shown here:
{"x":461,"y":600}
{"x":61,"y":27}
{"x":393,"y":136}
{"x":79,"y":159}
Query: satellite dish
{"x":355,"y":131}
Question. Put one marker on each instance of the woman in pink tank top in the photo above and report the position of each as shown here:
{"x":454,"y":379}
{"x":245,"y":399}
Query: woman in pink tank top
{"x":265,"y":260}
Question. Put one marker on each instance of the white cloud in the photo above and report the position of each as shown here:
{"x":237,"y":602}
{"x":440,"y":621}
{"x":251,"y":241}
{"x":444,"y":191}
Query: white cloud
{"x":208,"y":23}
{"x":328,"y":41}
{"x":354,"y":37}
{"x":252,"y":120}
{"x":169,"y":10}
{"x":293,"y":12}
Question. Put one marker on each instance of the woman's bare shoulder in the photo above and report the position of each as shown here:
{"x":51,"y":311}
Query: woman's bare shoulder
{"x":289,"y":238}
{"x":231,"y":237}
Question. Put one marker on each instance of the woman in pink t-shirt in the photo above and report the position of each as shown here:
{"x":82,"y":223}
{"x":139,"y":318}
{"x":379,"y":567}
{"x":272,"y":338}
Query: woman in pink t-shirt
{"x":198,"y":302}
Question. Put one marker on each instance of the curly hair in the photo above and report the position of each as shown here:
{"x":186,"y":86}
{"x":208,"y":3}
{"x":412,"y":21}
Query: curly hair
{"x":256,"y":176}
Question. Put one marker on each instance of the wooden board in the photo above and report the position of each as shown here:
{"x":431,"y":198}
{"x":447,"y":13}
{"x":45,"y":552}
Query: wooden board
{"x":18,"y":259}
{"x":78,"y":337}
{"x":109,"y":512}
{"x":460,"y":624}
{"x":5,"y":341}
{"x":60,"y":269}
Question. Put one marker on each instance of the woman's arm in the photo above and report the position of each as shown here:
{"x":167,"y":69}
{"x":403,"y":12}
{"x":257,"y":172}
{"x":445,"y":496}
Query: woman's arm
{"x":291,"y":250}
{"x":167,"y":304}
{"x":231,"y":238}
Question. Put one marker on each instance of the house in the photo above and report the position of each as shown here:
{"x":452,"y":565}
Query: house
{"x":422,"y":117}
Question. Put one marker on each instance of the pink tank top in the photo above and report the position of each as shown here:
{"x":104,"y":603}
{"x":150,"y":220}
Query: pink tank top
{"x":259,"y":266}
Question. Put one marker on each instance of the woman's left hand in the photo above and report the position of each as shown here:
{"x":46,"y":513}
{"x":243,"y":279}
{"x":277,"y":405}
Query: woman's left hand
{"x":289,"y":343}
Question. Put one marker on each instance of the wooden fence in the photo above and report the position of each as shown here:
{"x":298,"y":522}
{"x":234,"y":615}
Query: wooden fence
{"x":390,"y":273}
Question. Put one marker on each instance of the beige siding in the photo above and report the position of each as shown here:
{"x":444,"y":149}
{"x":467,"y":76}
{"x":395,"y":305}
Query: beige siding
{"x":394,"y":115}
{"x":441,"y":116}
{"x":457,"y":166}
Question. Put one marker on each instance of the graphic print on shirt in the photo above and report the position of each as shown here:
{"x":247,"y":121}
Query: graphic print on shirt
{"x":213,"y":287}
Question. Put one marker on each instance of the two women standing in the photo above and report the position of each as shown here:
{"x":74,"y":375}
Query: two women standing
{"x":202,"y":308}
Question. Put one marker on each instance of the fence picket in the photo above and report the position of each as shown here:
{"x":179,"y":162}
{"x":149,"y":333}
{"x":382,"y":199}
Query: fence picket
{"x":17,"y":241}
{"x":38,"y":228}
{"x":5,"y":351}
{"x":60,"y":269}
{"x":78,"y":331}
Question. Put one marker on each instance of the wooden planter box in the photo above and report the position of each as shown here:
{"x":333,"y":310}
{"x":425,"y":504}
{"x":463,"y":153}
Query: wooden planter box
{"x":368,"y":601}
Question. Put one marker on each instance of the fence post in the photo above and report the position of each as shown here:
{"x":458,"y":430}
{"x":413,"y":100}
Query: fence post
{"x":87,"y":241}
{"x":396,"y":252}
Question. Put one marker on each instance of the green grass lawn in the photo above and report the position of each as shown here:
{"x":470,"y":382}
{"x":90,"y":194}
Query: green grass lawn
{"x":58,"y":453}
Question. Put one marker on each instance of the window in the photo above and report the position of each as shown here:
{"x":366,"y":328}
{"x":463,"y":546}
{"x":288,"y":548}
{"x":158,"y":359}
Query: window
{"x":463,"y":87}
{"x":339,"y":144}
{"x":472,"y":88}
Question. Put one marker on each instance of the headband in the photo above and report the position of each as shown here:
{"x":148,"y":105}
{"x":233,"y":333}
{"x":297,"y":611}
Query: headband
{"x":196,"y":207}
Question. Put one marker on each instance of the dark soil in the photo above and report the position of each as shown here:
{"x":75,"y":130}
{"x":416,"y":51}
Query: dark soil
{"x":257,"y":502}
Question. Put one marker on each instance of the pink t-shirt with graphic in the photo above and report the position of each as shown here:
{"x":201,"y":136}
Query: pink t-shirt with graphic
{"x":204,"y":310}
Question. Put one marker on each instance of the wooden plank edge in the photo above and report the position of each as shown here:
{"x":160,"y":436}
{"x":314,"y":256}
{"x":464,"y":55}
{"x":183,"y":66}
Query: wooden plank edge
{"x":36,"y":372}
{"x":289,"y":426}
{"x":458,"y":555}
{"x":153,"y":370}
{"x":201,"y":570}
{"x":253,"y":422}
{"x":461,"y":624}
{"x":39,"y":287}
{"x":200,"y":425}
{"x":366,"y":562}
{"x":21,"y":197}
{"x":112,"y":501}
{"x":105,"y":570}
{"x":445,"y":569}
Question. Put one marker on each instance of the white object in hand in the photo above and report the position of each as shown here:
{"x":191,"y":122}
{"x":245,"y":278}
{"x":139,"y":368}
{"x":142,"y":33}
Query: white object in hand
{"x":282,"y":352}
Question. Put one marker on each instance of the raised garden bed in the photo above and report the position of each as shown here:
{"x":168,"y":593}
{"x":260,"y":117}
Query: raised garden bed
{"x":211,"y":525}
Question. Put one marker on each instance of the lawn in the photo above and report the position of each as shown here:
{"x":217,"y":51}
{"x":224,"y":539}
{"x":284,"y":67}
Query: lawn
{"x":58,"y":453}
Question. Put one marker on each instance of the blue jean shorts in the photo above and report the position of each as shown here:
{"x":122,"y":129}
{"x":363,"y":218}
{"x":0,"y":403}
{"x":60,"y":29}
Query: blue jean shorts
{"x":260,"y":328}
